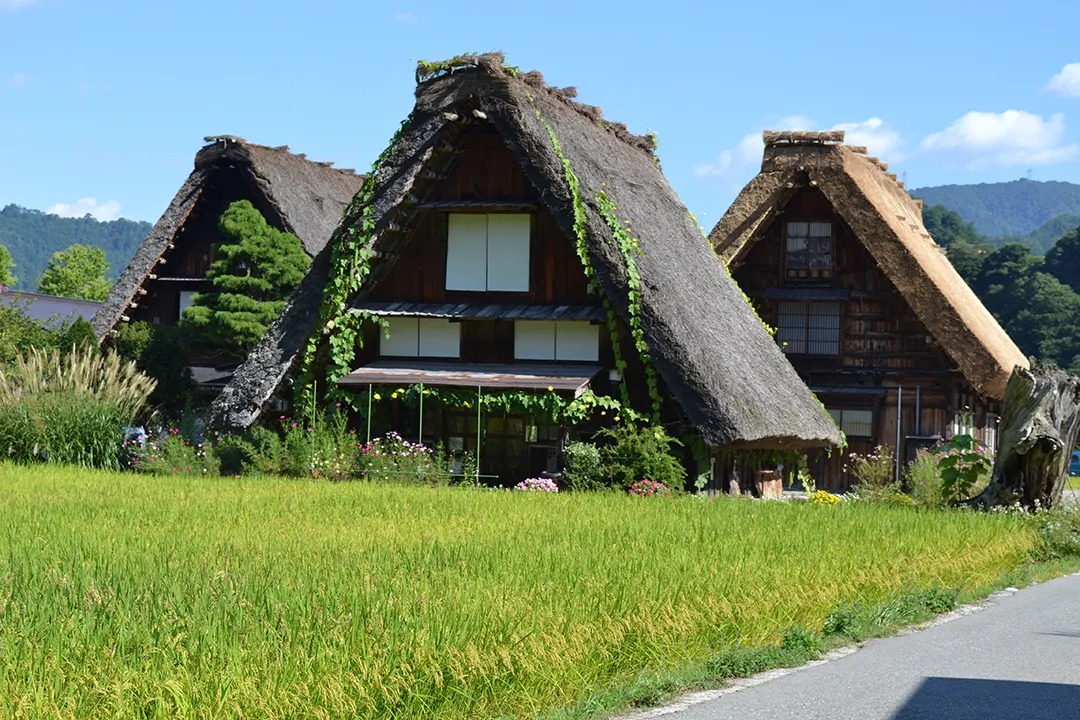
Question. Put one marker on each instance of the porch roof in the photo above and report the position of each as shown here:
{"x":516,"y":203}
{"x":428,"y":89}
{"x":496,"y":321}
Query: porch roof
{"x":481,"y":310}
{"x":485,"y":375}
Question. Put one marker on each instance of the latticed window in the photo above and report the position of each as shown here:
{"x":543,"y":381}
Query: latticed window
{"x":809,"y":249}
{"x":809,"y":328}
{"x":854,"y":423}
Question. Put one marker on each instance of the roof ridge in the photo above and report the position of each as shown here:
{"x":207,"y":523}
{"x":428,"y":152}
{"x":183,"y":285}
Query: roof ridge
{"x":494,"y":64}
{"x":284,"y":149}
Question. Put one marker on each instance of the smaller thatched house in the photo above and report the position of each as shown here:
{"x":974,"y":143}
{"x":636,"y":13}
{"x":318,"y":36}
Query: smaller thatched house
{"x":833,"y":252}
{"x":294,"y":194}
{"x":519,"y":244}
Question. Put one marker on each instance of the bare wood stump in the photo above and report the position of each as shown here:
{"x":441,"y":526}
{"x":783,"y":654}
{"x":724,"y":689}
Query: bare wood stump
{"x":1039,"y":427}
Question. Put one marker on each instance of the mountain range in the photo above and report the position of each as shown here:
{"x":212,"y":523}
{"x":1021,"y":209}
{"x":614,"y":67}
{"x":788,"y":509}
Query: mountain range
{"x":1035,"y":213}
{"x":32,"y":236}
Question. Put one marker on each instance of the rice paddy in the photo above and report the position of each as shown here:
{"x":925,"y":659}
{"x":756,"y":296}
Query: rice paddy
{"x":133,"y":596}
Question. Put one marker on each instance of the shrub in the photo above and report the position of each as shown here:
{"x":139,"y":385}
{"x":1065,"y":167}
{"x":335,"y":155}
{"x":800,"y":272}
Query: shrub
{"x":69,"y":408}
{"x":965,"y":468}
{"x":633,"y":453}
{"x":325,"y":449}
{"x":582,"y":466}
{"x":821,"y":497}
{"x":924,"y":480}
{"x":162,"y":352}
{"x":649,"y":488}
{"x":873,"y":475}
{"x":175,"y":454}
{"x":394,"y":459}
{"x":537,"y":485}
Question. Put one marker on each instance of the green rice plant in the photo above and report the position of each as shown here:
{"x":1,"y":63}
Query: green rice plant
{"x":126,"y":595}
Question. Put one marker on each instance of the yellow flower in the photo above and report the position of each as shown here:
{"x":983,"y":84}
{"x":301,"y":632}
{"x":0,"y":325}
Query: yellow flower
{"x":616,"y":418}
{"x":401,"y":390}
{"x":393,"y":396}
{"x":603,"y":412}
{"x":550,"y":388}
{"x":378,"y":396}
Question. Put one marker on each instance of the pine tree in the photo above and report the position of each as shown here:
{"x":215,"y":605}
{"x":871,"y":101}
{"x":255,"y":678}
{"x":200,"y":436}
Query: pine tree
{"x":253,"y":272}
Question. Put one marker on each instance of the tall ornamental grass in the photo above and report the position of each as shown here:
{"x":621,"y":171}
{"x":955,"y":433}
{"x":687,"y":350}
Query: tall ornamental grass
{"x":69,"y":407}
{"x":127,"y":596}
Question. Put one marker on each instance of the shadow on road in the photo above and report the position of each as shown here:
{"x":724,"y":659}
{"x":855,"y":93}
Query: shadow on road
{"x":963,"y":699}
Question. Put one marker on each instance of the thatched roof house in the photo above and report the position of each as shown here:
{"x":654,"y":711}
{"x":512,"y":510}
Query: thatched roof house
{"x":297,"y":195}
{"x":714,"y":357}
{"x":888,"y":223}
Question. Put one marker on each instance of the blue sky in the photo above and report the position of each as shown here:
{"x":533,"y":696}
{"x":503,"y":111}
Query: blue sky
{"x":103,"y":103}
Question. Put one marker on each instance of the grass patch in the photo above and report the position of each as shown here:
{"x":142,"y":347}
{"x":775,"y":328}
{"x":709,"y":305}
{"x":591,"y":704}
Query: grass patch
{"x":125,"y":595}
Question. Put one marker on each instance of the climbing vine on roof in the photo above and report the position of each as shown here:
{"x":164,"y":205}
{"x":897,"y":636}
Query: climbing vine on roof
{"x":351,"y":243}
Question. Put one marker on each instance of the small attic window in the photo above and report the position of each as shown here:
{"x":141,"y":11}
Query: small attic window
{"x":488,"y":252}
{"x":809,"y":245}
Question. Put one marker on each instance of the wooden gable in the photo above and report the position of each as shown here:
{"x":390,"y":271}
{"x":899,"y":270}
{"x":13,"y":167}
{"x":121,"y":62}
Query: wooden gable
{"x":487,"y":171}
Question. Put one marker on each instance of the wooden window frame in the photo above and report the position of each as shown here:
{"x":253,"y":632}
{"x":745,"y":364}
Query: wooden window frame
{"x":809,"y":274}
{"x":806,"y":327}
{"x":838,"y":416}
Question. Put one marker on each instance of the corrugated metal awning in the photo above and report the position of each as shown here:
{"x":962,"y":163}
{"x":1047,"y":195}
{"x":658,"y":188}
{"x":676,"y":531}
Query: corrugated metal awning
{"x":489,"y":376}
{"x":470,"y":311}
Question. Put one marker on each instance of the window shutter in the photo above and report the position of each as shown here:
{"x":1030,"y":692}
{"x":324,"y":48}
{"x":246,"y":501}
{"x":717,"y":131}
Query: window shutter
{"x":439,"y":338}
{"x":404,"y":340}
{"x":577,"y":340}
{"x":508,"y":252}
{"x":466,"y":252}
{"x":534,"y":339}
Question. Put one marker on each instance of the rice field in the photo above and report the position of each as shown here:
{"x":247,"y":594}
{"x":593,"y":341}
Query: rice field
{"x":130,"y":596}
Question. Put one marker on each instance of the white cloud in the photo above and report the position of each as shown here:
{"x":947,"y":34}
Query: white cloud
{"x":1014,"y":137}
{"x":406,"y":18}
{"x":16,"y":4}
{"x":878,"y":137}
{"x":1066,"y":82}
{"x":747,"y":153}
{"x":87,"y":206}
{"x":875,"y":135}
{"x":16,"y":80}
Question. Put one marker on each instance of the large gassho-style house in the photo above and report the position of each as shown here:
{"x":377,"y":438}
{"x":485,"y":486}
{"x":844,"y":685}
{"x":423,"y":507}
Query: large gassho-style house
{"x":294,"y":194}
{"x":868,"y":309}
{"x":496,"y":197}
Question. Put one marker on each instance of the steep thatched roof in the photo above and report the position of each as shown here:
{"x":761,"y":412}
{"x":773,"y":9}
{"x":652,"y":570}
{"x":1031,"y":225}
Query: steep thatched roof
{"x":888,"y":222}
{"x":308,"y":198}
{"x":711,"y":351}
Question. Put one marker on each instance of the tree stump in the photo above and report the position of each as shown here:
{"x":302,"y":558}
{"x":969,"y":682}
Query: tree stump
{"x":1038,"y":431}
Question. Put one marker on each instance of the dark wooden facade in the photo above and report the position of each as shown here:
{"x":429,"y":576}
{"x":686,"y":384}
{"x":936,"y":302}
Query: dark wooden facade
{"x":854,"y":339}
{"x":487,"y":178}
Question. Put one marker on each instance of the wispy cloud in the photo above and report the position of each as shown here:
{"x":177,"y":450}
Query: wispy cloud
{"x":1066,"y":82}
{"x":16,"y":80}
{"x":405,"y":18}
{"x":736,"y":163}
{"x":87,"y":206}
{"x":1014,"y":137}
{"x":9,"y":5}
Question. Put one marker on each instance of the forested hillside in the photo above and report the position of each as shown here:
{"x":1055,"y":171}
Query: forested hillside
{"x":1035,"y":298}
{"x":33,"y":236}
{"x":1011,"y":208}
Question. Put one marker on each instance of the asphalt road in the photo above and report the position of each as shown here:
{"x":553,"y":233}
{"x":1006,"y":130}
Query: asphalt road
{"x":1017,"y":658}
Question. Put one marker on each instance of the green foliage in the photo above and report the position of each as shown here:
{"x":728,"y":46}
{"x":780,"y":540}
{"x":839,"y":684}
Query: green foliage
{"x":349,"y":265}
{"x":396,"y":460}
{"x":583,"y":467}
{"x":19,"y":332}
{"x":372,"y":601}
{"x":924,"y":479}
{"x":872,"y":472}
{"x":162,"y":352}
{"x":1063,"y":260}
{"x":33,"y":236}
{"x":319,"y":448}
{"x":69,"y":408}
{"x":634,"y":453}
{"x":253,"y":272}
{"x":1010,"y":208}
{"x":175,"y":453}
{"x":7,"y":278}
{"x":964,"y":467}
{"x":77,"y":272}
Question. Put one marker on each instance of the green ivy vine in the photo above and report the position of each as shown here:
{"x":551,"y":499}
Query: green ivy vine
{"x":546,"y":405}
{"x":349,"y":265}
